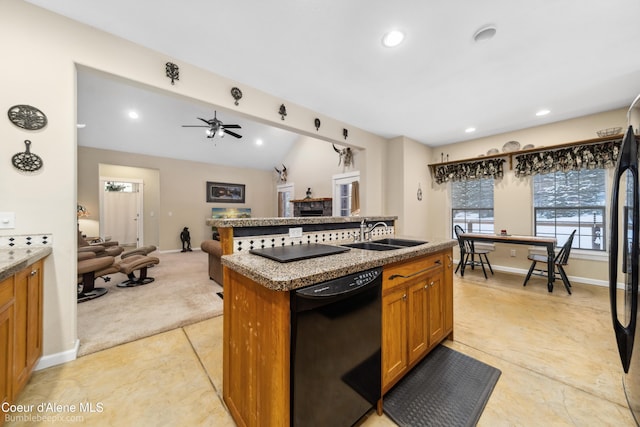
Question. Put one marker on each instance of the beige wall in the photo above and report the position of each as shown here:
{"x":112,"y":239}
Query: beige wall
{"x":406,"y":173}
{"x":513,"y":196}
{"x":40,"y":71}
{"x":175,"y":191}
{"x":312,"y":163}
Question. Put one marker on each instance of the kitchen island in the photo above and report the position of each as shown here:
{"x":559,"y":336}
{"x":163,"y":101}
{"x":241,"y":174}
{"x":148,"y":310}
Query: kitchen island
{"x":417,"y":314}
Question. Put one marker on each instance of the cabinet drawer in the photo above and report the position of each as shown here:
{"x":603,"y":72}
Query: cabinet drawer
{"x":398,"y":274}
{"x":6,"y":291}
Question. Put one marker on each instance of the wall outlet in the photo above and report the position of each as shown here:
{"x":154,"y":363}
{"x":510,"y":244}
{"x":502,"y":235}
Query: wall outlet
{"x":295,"y":232}
{"x":7,"y":220}
{"x":513,"y":252}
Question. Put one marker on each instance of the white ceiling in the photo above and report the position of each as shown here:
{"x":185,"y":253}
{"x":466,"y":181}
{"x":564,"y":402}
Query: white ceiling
{"x":104,"y":102}
{"x":573,"y":57}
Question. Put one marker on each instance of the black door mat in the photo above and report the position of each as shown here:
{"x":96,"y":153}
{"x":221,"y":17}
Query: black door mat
{"x":447,"y":388}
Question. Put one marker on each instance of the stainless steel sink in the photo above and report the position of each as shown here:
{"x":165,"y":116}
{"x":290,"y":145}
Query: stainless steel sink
{"x":399,"y":242}
{"x":371,"y":246}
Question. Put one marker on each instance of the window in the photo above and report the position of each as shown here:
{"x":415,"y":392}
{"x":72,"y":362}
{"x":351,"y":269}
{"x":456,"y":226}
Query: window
{"x":472,"y":205}
{"x":346,"y":194}
{"x":567,"y":201}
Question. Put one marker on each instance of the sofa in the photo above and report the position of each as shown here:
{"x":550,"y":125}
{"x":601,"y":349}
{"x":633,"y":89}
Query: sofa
{"x":213,"y":248}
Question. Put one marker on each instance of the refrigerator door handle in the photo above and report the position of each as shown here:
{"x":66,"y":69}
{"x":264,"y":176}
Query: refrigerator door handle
{"x":627,"y":162}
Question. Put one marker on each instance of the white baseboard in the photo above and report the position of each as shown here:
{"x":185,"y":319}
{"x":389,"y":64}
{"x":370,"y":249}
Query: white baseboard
{"x":58,"y":358}
{"x":523,"y":272}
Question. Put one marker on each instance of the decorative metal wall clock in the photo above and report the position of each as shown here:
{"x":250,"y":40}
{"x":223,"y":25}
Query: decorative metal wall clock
{"x":237,"y":94}
{"x":317,"y":123}
{"x":27,"y":117}
{"x":282,"y":111}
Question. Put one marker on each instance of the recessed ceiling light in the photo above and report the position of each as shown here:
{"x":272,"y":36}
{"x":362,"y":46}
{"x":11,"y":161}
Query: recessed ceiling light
{"x":485,"y":33}
{"x":393,"y":38}
{"x":469,"y":130}
{"x":81,"y":125}
{"x":133,"y":115}
{"x":542,"y":113}
{"x":259,"y":142}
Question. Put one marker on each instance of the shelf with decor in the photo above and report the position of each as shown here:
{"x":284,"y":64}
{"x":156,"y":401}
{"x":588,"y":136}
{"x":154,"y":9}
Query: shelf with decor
{"x":495,"y":160}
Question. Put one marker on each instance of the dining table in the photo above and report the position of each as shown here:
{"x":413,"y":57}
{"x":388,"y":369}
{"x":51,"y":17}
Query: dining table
{"x":548,"y":242}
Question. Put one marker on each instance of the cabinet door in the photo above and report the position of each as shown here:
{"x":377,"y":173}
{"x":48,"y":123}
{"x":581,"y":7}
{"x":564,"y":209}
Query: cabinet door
{"x":394,"y":336}
{"x":436,"y":308}
{"x":418,"y":311}
{"x":28,"y":326}
{"x":6,"y":340}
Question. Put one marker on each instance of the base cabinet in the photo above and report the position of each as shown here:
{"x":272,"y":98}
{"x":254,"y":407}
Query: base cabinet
{"x":20,"y":329}
{"x":416,"y":307}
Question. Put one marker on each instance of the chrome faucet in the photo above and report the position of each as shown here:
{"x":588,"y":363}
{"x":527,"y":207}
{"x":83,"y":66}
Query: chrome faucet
{"x":364,"y":231}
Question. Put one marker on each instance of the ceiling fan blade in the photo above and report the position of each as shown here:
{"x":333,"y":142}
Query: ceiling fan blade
{"x":228,"y":132}
{"x":206,"y":121}
{"x":195,"y":126}
{"x":231,"y":126}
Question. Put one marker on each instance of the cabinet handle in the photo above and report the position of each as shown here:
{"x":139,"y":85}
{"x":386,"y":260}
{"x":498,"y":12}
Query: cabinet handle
{"x":394,"y":276}
{"x":34,"y":272}
{"x":431,"y":284}
{"x":404,"y":297}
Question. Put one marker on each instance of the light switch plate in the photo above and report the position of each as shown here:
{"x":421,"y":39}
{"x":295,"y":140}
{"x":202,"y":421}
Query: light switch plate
{"x":7,"y":220}
{"x":295,"y":232}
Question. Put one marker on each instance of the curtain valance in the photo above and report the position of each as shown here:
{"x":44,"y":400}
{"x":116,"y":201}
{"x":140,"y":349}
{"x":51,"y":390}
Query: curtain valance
{"x":488,"y":168}
{"x":591,"y":156}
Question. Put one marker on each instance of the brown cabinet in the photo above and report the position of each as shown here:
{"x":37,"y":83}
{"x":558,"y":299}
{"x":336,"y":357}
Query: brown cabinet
{"x":417,"y":312}
{"x":20,"y":329}
{"x":28,"y":323}
{"x":6,"y":339}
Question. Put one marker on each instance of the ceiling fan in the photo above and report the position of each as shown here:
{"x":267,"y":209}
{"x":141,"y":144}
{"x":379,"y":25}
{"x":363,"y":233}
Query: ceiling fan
{"x":215,"y":126}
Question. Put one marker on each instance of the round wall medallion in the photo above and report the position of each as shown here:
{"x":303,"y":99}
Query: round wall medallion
{"x":27,"y":117}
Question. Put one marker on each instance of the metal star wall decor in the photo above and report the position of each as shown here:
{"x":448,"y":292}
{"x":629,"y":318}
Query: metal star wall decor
{"x":172,"y":71}
{"x":345,"y":133}
{"x":282,"y":111}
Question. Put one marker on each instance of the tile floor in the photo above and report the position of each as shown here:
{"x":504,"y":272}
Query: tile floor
{"x":556,"y":352}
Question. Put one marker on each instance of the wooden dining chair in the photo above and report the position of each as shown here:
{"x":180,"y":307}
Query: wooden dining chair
{"x":468,"y":254}
{"x":561,"y":260}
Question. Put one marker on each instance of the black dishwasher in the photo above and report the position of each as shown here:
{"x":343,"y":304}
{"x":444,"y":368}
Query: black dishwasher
{"x":336,"y":329}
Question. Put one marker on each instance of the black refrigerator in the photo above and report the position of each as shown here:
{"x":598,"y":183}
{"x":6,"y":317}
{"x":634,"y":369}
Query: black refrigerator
{"x":624,"y":258}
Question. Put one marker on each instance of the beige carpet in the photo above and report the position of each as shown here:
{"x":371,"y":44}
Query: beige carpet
{"x":181,"y":294}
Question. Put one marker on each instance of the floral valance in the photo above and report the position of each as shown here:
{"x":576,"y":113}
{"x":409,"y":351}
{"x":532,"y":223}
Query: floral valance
{"x":592,"y":156}
{"x":488,"y":168}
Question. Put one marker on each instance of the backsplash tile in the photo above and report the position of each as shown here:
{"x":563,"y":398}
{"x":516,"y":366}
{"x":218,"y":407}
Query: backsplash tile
{"x":26,"y":241}
{"x":329,"y":236}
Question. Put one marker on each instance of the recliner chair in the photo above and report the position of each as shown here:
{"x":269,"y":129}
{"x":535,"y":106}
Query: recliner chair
{"x":90,"y":267}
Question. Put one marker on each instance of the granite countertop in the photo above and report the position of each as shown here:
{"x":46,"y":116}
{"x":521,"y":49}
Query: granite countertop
{"x":258,"y":222}
{"x":292,"y":275}
{"x":16,"y":259}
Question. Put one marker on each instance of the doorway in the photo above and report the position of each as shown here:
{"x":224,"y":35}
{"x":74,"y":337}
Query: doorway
{"x":121,"y":216}
{"x":285,"y":195}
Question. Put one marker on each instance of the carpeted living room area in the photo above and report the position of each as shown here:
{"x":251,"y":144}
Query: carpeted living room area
{"x":180,"y":295}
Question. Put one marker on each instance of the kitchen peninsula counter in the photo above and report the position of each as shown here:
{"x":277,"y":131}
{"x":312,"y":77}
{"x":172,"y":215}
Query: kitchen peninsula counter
{"x":257,"y":319}
{"x":293,"y":275}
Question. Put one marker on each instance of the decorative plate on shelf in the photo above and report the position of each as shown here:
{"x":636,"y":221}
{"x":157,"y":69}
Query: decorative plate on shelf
{"x":492,"y":152}
{"x":528,"y":147}
{"x":511,"y":146}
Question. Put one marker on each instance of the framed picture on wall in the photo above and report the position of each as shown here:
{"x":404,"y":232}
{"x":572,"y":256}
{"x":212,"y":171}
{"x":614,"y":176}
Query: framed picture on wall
{"x":222,"y":192}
